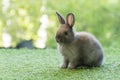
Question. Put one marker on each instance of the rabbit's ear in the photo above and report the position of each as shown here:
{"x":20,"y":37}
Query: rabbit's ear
{"x":70,"y":19}
{"x":60,"y":18}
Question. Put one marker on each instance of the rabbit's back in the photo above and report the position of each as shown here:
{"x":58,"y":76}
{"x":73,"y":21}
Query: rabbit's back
{"x":92,"y":52}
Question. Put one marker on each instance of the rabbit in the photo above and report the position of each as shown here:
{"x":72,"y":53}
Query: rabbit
{"x":77,"y":48}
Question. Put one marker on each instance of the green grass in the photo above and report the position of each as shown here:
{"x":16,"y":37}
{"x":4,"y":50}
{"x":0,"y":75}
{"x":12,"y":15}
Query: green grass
{"x":44,"y":64}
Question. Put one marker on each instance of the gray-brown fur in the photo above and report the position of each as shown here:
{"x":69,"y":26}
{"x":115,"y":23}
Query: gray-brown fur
{"x":77,"y":48}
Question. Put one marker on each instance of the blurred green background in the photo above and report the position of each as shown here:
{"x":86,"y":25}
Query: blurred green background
{"x":21,"y":19}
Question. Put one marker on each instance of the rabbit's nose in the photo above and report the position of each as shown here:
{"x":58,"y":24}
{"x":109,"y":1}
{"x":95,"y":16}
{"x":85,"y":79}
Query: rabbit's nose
{"x":58,"y":38}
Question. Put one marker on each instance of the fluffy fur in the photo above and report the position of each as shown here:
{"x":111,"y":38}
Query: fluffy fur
{"x":77,"y":48}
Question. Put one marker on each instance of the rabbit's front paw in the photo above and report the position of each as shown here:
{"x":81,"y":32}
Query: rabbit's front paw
{"x":64,"y":66}
{"x":71,"y":67}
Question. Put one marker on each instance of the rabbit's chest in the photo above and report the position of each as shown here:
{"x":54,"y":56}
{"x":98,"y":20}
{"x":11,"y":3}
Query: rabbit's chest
{"x":69,"y":52}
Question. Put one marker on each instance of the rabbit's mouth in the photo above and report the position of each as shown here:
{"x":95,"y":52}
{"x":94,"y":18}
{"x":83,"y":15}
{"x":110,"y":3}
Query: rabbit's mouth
{"x":62,"y":40}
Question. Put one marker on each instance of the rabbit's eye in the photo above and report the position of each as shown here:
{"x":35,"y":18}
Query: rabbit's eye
{"x":66,"y":33}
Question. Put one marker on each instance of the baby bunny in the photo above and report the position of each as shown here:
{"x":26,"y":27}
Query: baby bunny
{"x":77,"y":48}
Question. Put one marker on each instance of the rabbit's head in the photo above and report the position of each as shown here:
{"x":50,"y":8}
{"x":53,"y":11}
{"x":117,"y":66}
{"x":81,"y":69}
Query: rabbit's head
{"x":65,"y":33}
